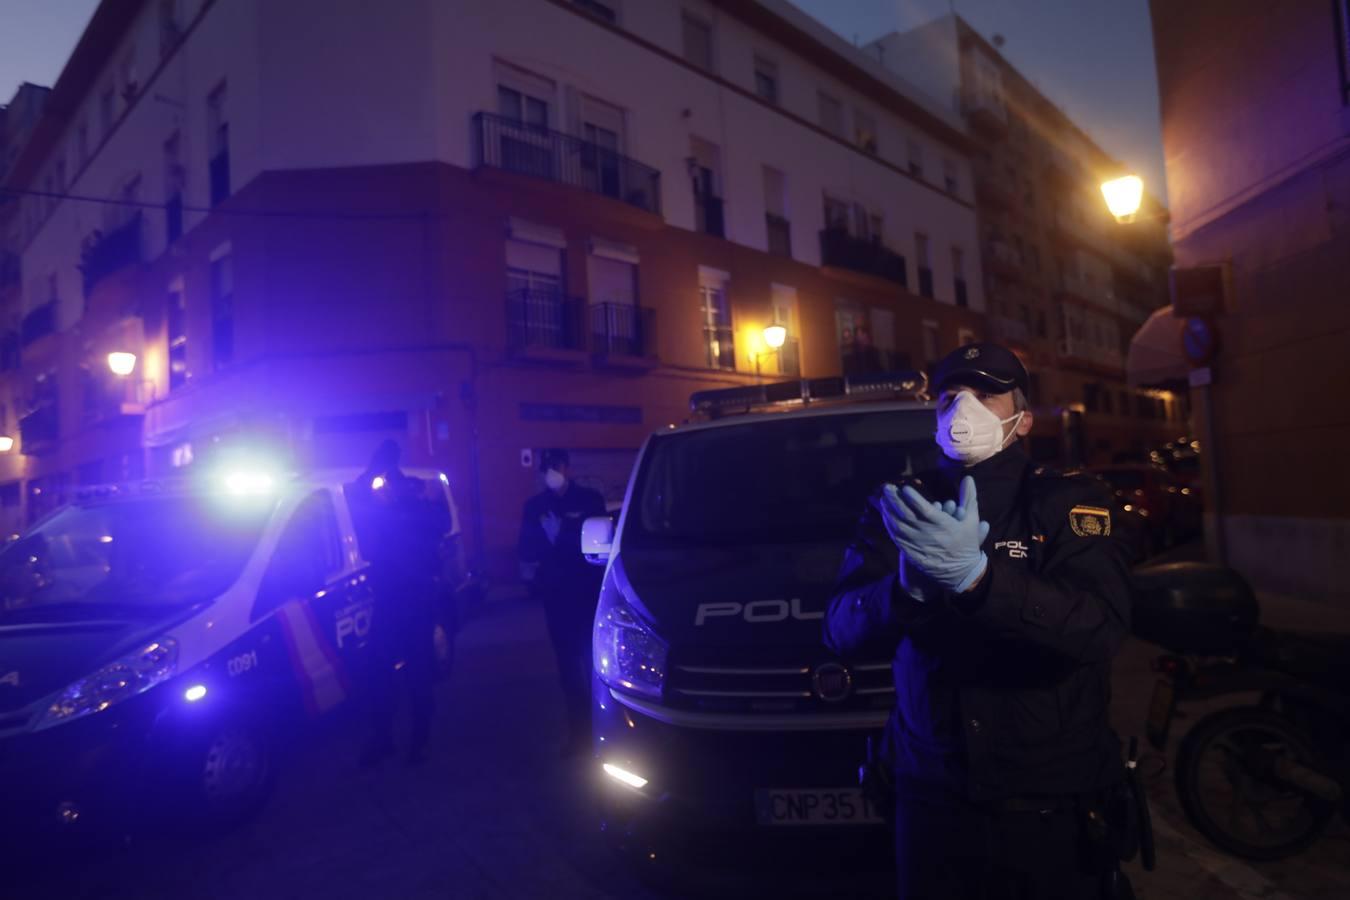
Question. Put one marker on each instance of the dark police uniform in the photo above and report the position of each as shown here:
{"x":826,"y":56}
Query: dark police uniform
{"x":1000,"y":737}
{"x":568,"y":588}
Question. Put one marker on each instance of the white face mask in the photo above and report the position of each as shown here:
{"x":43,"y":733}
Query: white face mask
{"x":969,"y":432}
{"x":555,"y":479}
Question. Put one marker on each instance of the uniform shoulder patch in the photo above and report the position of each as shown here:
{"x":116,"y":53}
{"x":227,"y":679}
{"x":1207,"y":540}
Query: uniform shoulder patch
{"x":1090,"y":521}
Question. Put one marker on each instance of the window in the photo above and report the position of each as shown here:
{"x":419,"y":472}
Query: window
{"x":705,"y":170}
{"x":222,"y":310}
{"x":766,"y":79}
{"x":836,"y":214}
{"x":106,"y":110}
{"x":130,"y":84}
{"x":959,"y":276}
{"x":915,"y":158}
{"x":716,"y":312}
{"x":612,"y":281}
{"x":921,"y":260}
{"x":864,"y":131}
{"x":176,"y":313}
{"x":784,"y":300}
{"x":173,"y":188}
{"x":831,"y":114}
{"x":602,"y":128}
{"x":521,"y":107}
{"x":932,"y":348}
{"x":307,"y":555}
{"x":218,"y":144}
{"x":533,"y":268}
{"x":779,"y":229}
{"x":698,"y":42}
{"x":949,"y":179}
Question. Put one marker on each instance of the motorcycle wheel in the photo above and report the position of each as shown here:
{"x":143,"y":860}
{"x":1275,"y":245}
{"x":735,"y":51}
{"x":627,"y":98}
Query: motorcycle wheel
{"x":1226,"y":779}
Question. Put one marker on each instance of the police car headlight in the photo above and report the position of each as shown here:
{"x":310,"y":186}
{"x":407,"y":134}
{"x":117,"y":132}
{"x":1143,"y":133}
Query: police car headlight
{"x":628,"y":654}
{"x":133,"y":674}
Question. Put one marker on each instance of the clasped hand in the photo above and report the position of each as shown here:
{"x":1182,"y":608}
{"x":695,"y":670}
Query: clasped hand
{"x":942,"y":540}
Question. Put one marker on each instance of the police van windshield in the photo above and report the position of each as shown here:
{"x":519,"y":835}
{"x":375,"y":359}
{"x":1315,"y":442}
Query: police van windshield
{"x":128,"y":556}
{"x":774,"y":480}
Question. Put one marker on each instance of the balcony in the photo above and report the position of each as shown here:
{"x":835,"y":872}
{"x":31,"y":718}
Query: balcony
{"x":513,"y":146}
{"x":842,"y":250}
{"x":721,"y":346}
{"x":543,"y":320}
{"x":111,"y":252}
{"x":38,"y":323}
{"x":39,"y":431}
{"x":622,"y":332}
{"x":708,"y":217}
{"x":986,"y":112}
{"x":780,"y":235}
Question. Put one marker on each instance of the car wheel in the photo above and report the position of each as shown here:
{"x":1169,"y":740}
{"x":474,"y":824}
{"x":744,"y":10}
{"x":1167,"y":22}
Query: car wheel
{"x":233,"y":773}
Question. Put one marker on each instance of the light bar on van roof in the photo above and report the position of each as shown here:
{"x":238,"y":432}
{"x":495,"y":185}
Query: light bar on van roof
{"x":782,"y":394}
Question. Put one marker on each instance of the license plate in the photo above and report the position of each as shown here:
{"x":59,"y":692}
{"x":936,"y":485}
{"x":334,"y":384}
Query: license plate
{"x":831,"y":806}
{"x":1160,"y":713}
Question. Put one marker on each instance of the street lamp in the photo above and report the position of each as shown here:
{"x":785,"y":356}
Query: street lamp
{"x":1123,"y":196}
{"x":774,"y":337}
{"x":6,"y":443}
{"x":122,"y":363}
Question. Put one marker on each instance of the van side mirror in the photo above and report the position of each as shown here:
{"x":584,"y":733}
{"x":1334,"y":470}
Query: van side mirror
{"x":597,"y":538}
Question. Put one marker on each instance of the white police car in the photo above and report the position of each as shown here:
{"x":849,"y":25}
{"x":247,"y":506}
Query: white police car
{"x":157,"y":640}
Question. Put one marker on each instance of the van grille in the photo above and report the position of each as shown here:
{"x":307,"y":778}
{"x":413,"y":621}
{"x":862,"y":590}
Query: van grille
{"x":800,"y":683}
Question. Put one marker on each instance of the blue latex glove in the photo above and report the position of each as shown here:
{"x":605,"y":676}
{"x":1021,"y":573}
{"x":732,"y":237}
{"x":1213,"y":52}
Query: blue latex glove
{"x":941,"y":539}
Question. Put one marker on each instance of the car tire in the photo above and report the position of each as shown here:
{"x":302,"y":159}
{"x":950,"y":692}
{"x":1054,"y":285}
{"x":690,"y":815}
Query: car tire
{"x":229,"y":774}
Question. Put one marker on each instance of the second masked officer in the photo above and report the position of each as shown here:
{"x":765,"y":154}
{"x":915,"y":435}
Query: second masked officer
{"x":1002,"y":594}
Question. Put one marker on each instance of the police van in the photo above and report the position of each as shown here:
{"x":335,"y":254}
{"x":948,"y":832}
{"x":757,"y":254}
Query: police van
{"x":156,"y":640}
{"x":719,"y":714}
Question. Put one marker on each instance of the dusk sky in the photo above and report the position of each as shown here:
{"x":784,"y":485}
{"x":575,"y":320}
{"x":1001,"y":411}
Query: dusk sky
{"x":1092,"y":57}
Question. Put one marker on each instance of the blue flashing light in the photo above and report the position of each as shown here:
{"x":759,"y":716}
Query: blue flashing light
{"x":249,"y":483}
{"x":377,"y":482}
{"x":445,"y":479}
{"x":195,"y":693}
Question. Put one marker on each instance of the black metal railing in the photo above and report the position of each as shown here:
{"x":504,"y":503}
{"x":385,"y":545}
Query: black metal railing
{"x":721,"y":346}
{"x":543,"y":319}
{"x":925,"y":282}
{"x":865,"y":359}
{"x":620,"y":329}
{"x":780,"y":235}
{"x":39,"y":430}
{"x":790,"y":357}
{"x":869,"y":256}
{"x":111,"y":252}
{"x":220,"y":177}
{"x":173,"y":216}
{"x":962,"y":298}
{"x":708,"y":216}
{"x":510,"y":144}
{"x":38,"y":323}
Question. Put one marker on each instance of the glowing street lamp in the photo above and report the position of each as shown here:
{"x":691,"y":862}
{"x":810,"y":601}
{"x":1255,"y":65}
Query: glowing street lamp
{"x":6,"y":443}
{"x":1123,"y":196}
{"x":775,"y":336}
{"x":122,"y":363}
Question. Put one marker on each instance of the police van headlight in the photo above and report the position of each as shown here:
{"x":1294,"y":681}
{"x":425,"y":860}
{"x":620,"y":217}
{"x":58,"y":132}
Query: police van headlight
{"x":133,"y":674}
{"x":628,"y":654}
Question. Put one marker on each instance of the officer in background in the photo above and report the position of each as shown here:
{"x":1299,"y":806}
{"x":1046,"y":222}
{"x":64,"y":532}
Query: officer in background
{"x":557,"y":575}
{"x":1001,"y":592}
{"x":400,"y":531}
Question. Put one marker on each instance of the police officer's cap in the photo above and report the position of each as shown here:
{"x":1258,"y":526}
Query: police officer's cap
{"x":552,"y":458}
{"x":989,"y":367}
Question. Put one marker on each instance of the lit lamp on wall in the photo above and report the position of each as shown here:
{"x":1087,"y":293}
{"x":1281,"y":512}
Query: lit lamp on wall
{"x":774,"y":337}
{"x":6,"y":443}
{"x":122,"y":363}
{"x":1123,"y":196}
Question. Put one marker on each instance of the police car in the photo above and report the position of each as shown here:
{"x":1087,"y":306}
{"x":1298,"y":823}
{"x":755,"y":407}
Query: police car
{"x":718,"y":712}
{"x":157,"y":640}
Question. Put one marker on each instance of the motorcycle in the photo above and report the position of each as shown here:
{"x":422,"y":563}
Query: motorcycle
{"x":1261,"y":780}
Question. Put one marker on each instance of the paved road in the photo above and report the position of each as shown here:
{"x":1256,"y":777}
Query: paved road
{"x":496,"y":814}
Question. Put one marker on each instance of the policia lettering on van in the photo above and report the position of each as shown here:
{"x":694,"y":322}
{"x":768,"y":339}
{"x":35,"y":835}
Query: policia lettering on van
{"x":163,"y":636}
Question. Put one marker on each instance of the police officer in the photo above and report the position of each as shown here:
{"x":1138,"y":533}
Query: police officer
{"x":400,"y":530}
{"x":1001,"y":591}
{"x":558,"y":575}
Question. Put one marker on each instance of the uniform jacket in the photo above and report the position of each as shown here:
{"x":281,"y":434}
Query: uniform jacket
{"x":561,"y":567}
{"x":1004,"y":690}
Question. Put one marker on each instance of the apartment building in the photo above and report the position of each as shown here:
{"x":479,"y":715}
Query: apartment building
{"x":1066,"y":285}
{"x":481,"y":228}
{"x":1256,"y":135}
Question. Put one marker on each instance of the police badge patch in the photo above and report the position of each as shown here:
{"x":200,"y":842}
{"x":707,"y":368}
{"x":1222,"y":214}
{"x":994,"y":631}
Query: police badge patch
{"x":1090,"y":521}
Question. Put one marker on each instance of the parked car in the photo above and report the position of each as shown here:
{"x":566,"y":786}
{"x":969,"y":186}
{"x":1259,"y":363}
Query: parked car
{"x":1170,"y":507}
